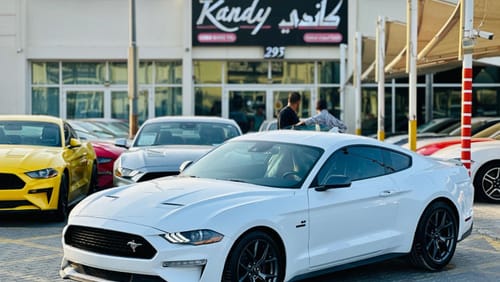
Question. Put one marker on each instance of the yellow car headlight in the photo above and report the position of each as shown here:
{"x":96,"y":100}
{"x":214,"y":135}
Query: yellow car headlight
{"x":42,"y":173}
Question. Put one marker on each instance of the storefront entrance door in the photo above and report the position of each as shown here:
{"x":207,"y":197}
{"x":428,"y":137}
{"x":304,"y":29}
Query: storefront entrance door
{"x":247,"y":108}
{"x":250,"y":107}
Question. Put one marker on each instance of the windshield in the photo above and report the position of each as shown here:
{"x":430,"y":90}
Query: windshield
{"x":30,"y":133}
{"x":265,"y":163}
{"x":184,"y":133}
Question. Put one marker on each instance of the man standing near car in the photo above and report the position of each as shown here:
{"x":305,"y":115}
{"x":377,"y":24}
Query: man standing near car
{"x":287,"y":116}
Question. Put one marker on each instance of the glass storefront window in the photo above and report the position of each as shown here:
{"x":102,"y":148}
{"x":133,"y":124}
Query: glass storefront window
{"x":247,"y":72}
{"x":447,"y":102}
{"x":486,"y":102}
{"x":207,"y":101}
{"x":168,"y":101}
{"x":118,"y":73}
{"x":292,"y":72}
{"x":84,"y":73}
{"x":84,"y":104}
{"x":168,"y":72}
{"x":332,"y":97}
{"x":45,"y":101}
{"x":44,"y":73}
{"x":120,"y":105}
{"x":207,"y":71}
{"x":329,"y":72}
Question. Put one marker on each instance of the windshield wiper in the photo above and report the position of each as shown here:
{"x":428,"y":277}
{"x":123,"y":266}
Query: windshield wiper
{"x":237,"y":180}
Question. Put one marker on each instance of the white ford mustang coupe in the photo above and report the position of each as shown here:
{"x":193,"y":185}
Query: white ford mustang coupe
{"x":273,"y":206}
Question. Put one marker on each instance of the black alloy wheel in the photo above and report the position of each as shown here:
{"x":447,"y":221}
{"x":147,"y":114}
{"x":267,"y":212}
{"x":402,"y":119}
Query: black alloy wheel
{"x":435,"y":238}
{"x":487,"y":182}
{"x":255,"y":257}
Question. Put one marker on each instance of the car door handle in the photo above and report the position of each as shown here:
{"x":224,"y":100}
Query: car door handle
{"x":387,"y":193}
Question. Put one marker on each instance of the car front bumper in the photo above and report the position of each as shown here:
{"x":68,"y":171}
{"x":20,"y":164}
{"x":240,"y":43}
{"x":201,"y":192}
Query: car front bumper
{"x":172,"y":262}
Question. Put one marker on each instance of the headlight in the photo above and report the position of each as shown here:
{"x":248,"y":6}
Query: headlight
{"x":42,"y":173}
{"x":128,"y":173}
{"x":194,"y":237}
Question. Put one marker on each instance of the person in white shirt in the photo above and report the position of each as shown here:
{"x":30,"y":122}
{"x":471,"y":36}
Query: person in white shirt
{"x":324,"y":118}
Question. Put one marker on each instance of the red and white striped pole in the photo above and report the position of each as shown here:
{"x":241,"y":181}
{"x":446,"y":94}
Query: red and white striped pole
{"x":467,"y":50}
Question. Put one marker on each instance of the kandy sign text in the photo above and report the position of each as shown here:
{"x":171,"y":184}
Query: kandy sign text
{"x":269,"y":22}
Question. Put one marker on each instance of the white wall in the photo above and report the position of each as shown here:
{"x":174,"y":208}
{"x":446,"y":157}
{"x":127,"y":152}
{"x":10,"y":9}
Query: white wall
{"x":12,"y":60}
{"x":77,"y":29}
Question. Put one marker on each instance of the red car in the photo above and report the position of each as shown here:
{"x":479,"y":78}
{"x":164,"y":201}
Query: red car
{"x":106,"y":154}
{"x":430,"y":149}
{"x":490,"y":133}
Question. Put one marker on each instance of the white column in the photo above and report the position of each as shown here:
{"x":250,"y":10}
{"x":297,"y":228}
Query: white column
{"x":357,"y":81}
{"x":380,"y":76}
{"x":411,"y":68}
{"x":187,"y":64}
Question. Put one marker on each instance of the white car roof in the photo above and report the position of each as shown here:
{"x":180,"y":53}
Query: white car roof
{"x":312,"y":138}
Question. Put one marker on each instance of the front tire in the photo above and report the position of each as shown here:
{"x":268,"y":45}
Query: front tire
{"x":435,"y":238}
{"x":62,"y":204}
{"x":255,"y":257}
{"x":93,"y":180}
{"x":487,"y":183}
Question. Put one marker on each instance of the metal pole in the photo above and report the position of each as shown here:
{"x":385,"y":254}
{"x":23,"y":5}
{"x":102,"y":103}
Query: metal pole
{"x":343,"y":75}
{"x":380,"y":76}
{"x":467,"y":16}
{"x":132,"y":63}
{"x":357,"y":81}
{"x":411,"y":65}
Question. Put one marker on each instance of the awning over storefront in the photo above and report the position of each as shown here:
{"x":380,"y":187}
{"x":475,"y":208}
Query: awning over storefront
{"x":439,"y":36}
{"x":394,"y":42}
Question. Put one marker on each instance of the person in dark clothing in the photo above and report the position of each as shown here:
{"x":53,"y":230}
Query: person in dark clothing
{"x":288,"y":115}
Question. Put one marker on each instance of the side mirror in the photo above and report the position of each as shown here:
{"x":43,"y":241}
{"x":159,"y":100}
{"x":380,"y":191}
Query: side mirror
{"x":73,"y":142}
{"x":122,"y":142}
{"x":184,"y":165}
{"x":334,"y":181}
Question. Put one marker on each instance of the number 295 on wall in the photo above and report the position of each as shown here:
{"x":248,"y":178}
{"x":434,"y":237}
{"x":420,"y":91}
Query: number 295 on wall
{"x":274,"y":52}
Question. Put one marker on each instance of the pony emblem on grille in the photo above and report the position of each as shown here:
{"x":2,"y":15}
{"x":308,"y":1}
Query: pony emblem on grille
{"x":133,"y":245}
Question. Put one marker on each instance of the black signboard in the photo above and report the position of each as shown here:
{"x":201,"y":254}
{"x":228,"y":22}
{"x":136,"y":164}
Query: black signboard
{"x":269,"y":22}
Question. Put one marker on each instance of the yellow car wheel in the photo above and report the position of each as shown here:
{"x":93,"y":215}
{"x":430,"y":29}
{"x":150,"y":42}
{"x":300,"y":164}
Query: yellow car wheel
{"x":93,"y":180}
{"x":62,"y":206}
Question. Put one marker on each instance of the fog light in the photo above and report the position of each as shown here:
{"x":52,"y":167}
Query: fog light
{"x":185,"y":263}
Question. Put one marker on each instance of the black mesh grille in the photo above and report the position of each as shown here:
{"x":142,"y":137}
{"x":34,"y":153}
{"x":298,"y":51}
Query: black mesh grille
{"x":14,"y":204}
{"x":108,"y":242}
{"x":153,"y":175}
{"x":114,"y":275}
{"x":10,"y":181}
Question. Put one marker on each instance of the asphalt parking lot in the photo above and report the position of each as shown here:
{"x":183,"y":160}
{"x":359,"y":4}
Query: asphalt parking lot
{"x":30,"y":250}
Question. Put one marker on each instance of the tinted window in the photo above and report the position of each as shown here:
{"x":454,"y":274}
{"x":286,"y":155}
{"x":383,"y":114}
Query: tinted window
{"x":396,"y":161}
{"x":355,"y":162}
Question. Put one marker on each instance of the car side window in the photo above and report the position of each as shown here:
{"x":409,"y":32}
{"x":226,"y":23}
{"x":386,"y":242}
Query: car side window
{"x":395,"y":161}
{"x":69,"y":133}
{"x":356,"y":162}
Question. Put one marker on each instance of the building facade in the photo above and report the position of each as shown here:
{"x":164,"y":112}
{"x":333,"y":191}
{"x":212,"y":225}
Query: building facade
{"x":68,"y":58}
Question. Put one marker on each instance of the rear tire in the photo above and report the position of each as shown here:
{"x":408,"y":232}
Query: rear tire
{"x":435,"y":238}
{"x":487,"y":183}
{"x":255,"y":257}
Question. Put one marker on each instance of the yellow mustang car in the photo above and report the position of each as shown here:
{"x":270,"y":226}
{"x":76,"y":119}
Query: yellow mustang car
{"x":43,"y":165}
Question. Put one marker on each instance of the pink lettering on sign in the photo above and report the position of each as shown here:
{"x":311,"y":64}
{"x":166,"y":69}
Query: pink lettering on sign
{"x":329,"y":37}
{"x":216,"y":37}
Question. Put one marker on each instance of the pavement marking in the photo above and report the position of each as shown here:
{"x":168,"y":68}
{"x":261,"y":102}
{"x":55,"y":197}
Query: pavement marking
{"x":31,"y":259}
{"x":494,"y":243}
{"x":43,"y":237}
{"x":29,"y":244}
